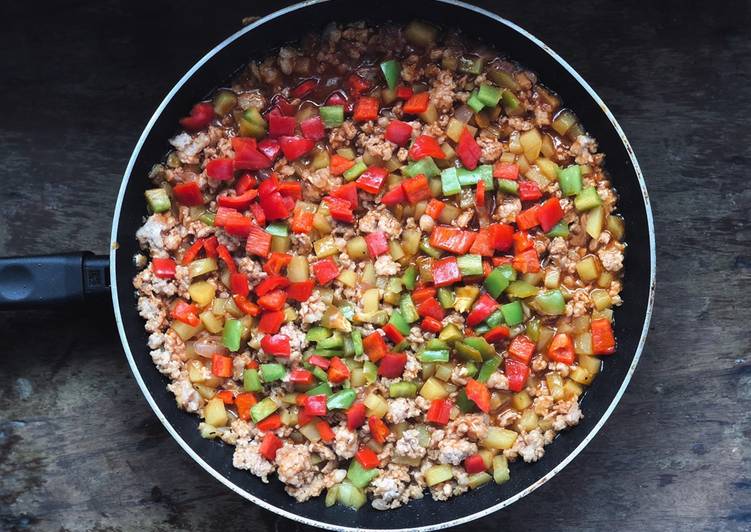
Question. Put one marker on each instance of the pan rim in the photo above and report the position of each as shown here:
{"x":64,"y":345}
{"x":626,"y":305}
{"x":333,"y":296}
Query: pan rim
{"x":312,"y":522}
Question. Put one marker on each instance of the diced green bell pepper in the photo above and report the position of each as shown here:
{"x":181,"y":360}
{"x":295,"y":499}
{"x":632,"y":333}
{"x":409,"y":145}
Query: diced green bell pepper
{"x":277,"y":229}
{"x":391,"y":71}
{"x":471,"y":369}
{"x":402,"y":389}
{"x":370,"y":371}
{"x":489,"y":95}
{"x":533,"y":329}
{"x":426,"y":248}
{"x":158,"y":200}
{"x":341,"y":400}
{"x":272,"y":372}
{"x":446,"y":297}
{"x":251,"y":382}
{"x":465,"y":404}
{"x":570,"y":180}
{"x":450,"y":333}
{"x":398,"y":321}
{"x":470,"y":265}
{"x":424,"y":166}
{"x":316,"y":334}
{"x":481,"y":344}
{"x":450,"y":182}
{"x":334,"y":341}
{"x":263,"y":409}
{"x":510,"y":101}
{"x":550,"y":302}
{"x":587,"y":199}
{"x":496,"y":282}
{"x":560,"y":229}
{"x":207,"y":217}
{"x":320,"y":374}
{"x":359,"y":476}
{"x":354,"y":172}
{"x":513,"y":314}
{"x":508,"y":186}
{"x":508,"y":271}
{"x":332,"y":115}
{"x":357,"y":342}
{"x":322,"y":389}
{"x":474,"y":102}
{"x":495,"y":319}
{"x":231,"y":335}
{"x":521,"y":290}
{"x":434,"y":355}
{"x":408,"y":309}
{"x":488,"y":368}
{"x":467,"y":352}
{"x":409,"y":277}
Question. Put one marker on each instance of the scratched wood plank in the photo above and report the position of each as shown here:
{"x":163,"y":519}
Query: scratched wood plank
{"x":80,"y":449}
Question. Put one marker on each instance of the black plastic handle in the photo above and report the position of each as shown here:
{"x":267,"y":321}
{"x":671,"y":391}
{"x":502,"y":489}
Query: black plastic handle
{"x":43,"y":280}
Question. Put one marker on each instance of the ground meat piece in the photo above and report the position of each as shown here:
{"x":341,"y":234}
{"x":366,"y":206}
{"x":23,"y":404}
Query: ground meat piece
{"x":451,"y":451}
{"x":507,"y":418}
{"x":611,"y":259}
{"x":166,"y":363}
{"x":459,"y":375}
{"x":542,"y":404}
{"x":408,"y":445}
{"x":569,"y":415}
{"x":380,"y":219}
{"x":341,"y":136}
{"x":188,"y":147}
{"x":286,"y":59}
{"x":393,"y":488}
{"x":385,"y":266}
{"x":151,"y":234}
{"x":247,"y":456}
{"x":238,"y":365}
{"x":186,"y":396}
{"x":154,"y":311}
{"x":498,"y":381}
{"x":539,"y":363}
{"x":530,"y":445}
{"x":401,"y":409}
{"x":582,"y":149}
{"x":475,"y":426}
{"x":252,"y":269}
{"x":345,"y":442}
{"x":251,"y":98}
{"x":412,"y":368}
{"x":427,"y":223}
{"x":557,"y":246}
{"x":319,"y":483}
{"x":491,"y":149}
{"x":508,"y":209}
{"x":297,"y":340}
{"x":301,"y":244}
{"x":322,"y":179}
{"x":376,"y":146}
{"x":464,"y":218}
{"x":442,"y":94}
{"x":293,"y":465}
{"x":312,"y":310}
{"x":577,"y":305}
{"x":149,"y":284}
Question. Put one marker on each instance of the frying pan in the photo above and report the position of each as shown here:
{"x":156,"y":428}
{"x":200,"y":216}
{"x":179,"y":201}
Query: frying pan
{"x":35,"y":281}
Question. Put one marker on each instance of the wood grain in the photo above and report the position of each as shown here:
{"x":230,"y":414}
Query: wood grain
{"x":79,"y":447}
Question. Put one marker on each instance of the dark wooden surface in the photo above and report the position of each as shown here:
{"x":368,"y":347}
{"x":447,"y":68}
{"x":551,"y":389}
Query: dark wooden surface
{"x":81,"y":450}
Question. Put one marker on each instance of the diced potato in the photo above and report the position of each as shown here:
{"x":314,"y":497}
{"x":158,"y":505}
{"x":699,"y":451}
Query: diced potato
{"x":588,"y":268}
{"x":213,"y":323}
{"x":616,"y":226}
{"x":196,"y":371}
{"x":527,"y":421}
{"x":590,"y":363}
{"x":546,"y":334}
{"x":521,"y":400}
{"x":499,"y":438}
{"x":500,"y":469}
{"x":310,"y":432}
{"x":369,"y":274}
{"x":555,"y":385}
{"x":438,"y":473}
{"x":449,"y":213}
{"x":370,"y":300}
{"x":348,"y":278}
{"x":563,"y":121}
{"x":552,"y":279}
{"x":572,"y":390}
{"x":411,"y":241}
{"x":454,"y":129}
{"x":201,"y":267}
{"x":357,"y":249}
{"x":465,"y":297}
{"x":600,"y":299}
{"x":230,"y":307}
{"x":581,"y":375}
{"x":280,"y":244}
{"x":321,"y":222}
{"x":487,"y":457}
{"x":444,"y":371}
{"x":583,"y":343}
{"x":548,"y":148}
{"x":479,"y":479}
{"x":605,"y":279}
{"x":214,"y":412}
{"x":202,"y":293}
{"x":548,"y":168}
{"x":396,"y":251}
{"x":185,"y":331}
{"x":217,"y":306}
{"x":376,"y":405}
{"x":298,"y":269}
{"x":325,"y":247}
{"x":514,"y":144}
{"x":434,"y":389}
{"x":595,"y":222}
{"x":531,"y":142}
{"x":207,"y":431}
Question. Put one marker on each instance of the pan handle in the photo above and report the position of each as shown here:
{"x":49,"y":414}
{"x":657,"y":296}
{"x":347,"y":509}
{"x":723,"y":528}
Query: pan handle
{"x":46,"y":280}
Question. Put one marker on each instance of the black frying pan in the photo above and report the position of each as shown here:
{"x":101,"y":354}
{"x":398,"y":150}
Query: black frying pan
{"x":31,"y":281}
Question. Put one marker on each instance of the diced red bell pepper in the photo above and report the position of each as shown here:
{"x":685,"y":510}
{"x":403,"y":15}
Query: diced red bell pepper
{"x":483,"y":307}
{"x":185,"y":312}
{"x":425,"y":146}
{"x":526,"y":261}
{"x":200,"y":117}
{"x":222,"y":215}
{"x":366,"y":109}
{"x":270,"y":444}
{"x":276,"y":262}
{"x":304,"y":88}
{"x":377,"y":243}
{"x":340,"y":209}
{"x":276,"y":207}
{"x":357,"y":84}
{"x":270,"y":322}
{"x":245,"y":182}
{"x":392,"y":333}
{"x":192,"y":252}
{"x":479,"y":393}
{"x":439,"y":411}
{"x":403,"y":92}
{"x":313,"y":129}
{"x":483,"y":244}
{"x":325,"y":270}
{"x":356,"y":416}
{"x":243,"y":403}
{"x":300,"y":291}
{"x":276,"y":345}
{"x":295,"y":147}
{"x":338,"y":371}
{"x":446,"y":272}
{"x":301,"y":376}
{"x":435,"y":208}
{"x":561,"y":349}
{"x":273,"y":300}
{"x":431,"y":308}
{"x":240,"y":202}
{"x":347,"y":192}
{"x":506,"y":171}
{"x":474,"y":464}
{"x":452,"y":239}
{"x":315,"y":405}
{"x":368,"y":458}
{"x":280,"y":125}
{"x":238,"y":225}
{"x":268,"y":185}
{"x":527,"y":219}
{"x":394,"y":196}
{"x":270,"y":148}
{"x":259,"y":242}
{"x":480,"y":194}
{"x":221,"y":169}
{"x":281,"y":105}
{"x":516,"y":373}
{"x":188,"y":194}
{"x":246,"y":306}
{"x":238,"y":283}
{"x":270,"y":283}
{"x":468,"y":150}
{"x":603,"y":339}
{"x":417,"y":103}
{"x":338,"y":164}
{"x":416,"y":189}
{"x":496,"y":334}
{"x":392,"y":365}
{"x":226,"y":257}
{"x":529,"y":191}
{"x":258,"y":213}
{"x":549,"y":214}
{"x":522,"y":242}
{"x":372,"y":179}
{"x":290,"y":189}
{"x":221,"y":365}
{"x":163,"y":268}
{"x":209,"y":245}
{"x":324,"y":430}
{"x":374,"y":346}
{"x":339,"y":98}
{"x":522,"y":348}
{"x":501,"y":236}
{"x":398,"y":132}
{"x":430,"y":324}
{"x":378,"y":429}
{"x":226,"y":396}
{"x":302,"y":221}
{"x":247,"y":155}
{"x":318,"y":360}
{"x":273,"y":422}
{"x":420,"y":294}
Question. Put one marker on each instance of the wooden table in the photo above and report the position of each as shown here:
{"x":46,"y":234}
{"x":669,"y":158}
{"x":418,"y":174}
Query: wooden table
{"x":81,"y":450}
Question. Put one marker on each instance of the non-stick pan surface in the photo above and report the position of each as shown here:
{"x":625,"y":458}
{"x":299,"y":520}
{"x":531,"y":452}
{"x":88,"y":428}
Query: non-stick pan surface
{"x":632,"y":318}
